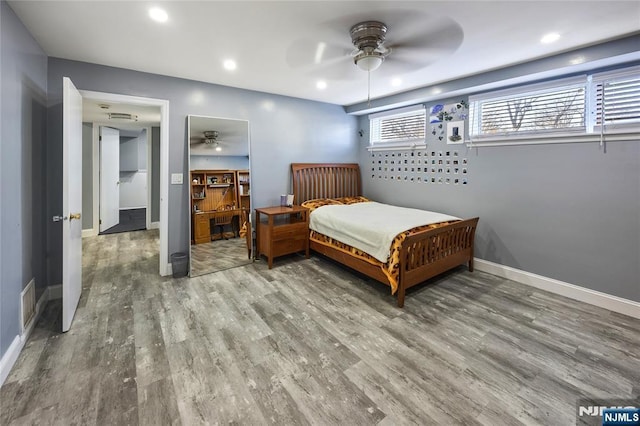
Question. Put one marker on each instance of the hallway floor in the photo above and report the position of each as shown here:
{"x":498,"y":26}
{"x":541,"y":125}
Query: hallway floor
{"x":130,"y":220}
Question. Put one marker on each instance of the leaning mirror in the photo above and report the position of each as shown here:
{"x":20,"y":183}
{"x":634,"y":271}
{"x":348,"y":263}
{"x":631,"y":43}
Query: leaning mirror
{"x":220,"y":194}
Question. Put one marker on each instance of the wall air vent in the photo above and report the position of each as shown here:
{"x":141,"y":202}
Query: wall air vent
{"x":122,"y":116}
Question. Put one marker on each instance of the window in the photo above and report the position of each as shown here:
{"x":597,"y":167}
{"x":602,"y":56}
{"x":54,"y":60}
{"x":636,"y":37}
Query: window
{"x":553,"y":108}
{"x":404,"y":127}
{"x":617,"y":98}
{"x":559,"y":111}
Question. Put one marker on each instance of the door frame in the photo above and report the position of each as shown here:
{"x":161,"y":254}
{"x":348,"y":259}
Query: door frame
{"x":164,"y":164}
{"x":149,"y":174}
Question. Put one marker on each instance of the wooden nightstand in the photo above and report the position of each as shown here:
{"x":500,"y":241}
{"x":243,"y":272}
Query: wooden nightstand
{"x":282,"y":230}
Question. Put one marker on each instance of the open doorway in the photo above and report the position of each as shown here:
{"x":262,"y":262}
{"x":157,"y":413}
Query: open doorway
{"x":126,"y":184}
{"x":141,"y":126}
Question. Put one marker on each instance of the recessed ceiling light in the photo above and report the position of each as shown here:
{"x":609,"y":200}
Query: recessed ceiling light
{"x":436,"y":91}
{"x":158,"y":15}
{"x":321,"y":85}
{"x":396,"y":82}
{"x":550,"y":38}
{"x":218,"y":148}
{"x":230,"y":65}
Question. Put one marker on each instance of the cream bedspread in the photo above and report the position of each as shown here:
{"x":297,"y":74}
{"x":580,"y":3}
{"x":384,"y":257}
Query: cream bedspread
{"x":370,"y":226}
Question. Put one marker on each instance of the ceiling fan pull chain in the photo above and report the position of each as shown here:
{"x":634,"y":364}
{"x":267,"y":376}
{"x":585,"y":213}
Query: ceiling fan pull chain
{"x":369,"y":88}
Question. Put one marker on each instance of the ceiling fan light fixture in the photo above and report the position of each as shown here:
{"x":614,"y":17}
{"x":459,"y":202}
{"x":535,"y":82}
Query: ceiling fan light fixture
{"x":369,"y":61}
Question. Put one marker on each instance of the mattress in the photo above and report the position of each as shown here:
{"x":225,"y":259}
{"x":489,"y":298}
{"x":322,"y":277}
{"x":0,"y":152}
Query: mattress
{"x":390,"y":265}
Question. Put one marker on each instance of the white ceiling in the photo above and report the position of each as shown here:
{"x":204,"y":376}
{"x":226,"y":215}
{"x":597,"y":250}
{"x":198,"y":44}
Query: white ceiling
{"x":274,"y":42}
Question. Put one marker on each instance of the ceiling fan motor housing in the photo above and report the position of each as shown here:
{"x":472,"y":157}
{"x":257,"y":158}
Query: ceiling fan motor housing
{"x":210,"y":137}
{"x":368,"y":35}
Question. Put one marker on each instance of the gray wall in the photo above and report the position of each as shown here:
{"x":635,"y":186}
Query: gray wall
{"x":209,"y":162}
{"x":566,"y":211}
{"x":87,"y":176}
{"x":22,"y":169}
{"x":283,"y":130}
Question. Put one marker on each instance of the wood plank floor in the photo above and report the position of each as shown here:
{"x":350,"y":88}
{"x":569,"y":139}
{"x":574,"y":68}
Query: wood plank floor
{"x":309,"y":342}
{"x":218,"y":255}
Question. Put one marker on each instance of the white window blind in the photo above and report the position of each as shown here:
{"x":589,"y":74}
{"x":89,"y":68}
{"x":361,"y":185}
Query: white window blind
{"x":617,"y":98}
{"x":551,"y":108}
{"x":566,"y":110}
{"x":404,"y":126}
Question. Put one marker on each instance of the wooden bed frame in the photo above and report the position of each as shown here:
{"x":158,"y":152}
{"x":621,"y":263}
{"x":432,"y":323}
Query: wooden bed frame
{"x":423,"y":255}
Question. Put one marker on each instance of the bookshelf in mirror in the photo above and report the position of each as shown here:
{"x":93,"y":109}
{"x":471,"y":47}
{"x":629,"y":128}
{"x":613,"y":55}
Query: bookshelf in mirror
{"x":244,"y":189}
{"x":215,"y":193}
{"x":213,"y":190}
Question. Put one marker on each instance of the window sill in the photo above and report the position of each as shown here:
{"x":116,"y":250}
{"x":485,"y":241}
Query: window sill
{"x":546,"y":140}
{"x":405,"y":146}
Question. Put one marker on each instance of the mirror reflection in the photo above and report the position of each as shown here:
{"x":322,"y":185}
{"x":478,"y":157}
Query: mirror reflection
{"x":220,"y":196}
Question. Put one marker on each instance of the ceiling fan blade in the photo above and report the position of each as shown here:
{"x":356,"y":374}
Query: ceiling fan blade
{"x":399,"y":66}
{"x":445,"y":33}
{"x":344,"y":70}
{"x":421,"y":49}
{"x":418,"y":58}
{"x":307,"y":52}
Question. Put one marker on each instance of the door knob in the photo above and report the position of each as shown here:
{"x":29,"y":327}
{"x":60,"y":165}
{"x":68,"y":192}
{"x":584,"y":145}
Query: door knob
{"x":74,"y":216}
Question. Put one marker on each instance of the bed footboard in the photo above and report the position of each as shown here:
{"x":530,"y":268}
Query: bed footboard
{"x":432,"y":252}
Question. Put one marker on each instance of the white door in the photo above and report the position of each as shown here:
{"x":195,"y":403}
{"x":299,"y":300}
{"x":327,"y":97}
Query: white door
{"x":71,"y":202}
{"x":109,"y":178}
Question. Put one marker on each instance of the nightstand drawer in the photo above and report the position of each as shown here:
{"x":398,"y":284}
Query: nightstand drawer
{"x":289,"y":246}
{"x":297,"y":230}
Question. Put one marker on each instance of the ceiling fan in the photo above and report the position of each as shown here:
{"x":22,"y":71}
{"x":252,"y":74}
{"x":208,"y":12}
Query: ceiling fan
{"x":395,"y":42}
{"x":368,"y":38}
{"x":210,"y":139}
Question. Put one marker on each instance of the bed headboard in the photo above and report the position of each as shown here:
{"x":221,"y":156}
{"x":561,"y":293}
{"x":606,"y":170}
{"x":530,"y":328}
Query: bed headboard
{"x":325,"y":180}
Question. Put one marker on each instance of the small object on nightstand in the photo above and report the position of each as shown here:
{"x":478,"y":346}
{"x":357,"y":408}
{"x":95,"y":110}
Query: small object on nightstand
{"x":281,"y":230}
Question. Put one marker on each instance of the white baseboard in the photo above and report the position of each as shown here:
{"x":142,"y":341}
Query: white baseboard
{"x":89,"y":233}
{"x":572,"y":291}
{"x":154,"y":225}
{"x":10,"y":357}
{"x":168,"y":270}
